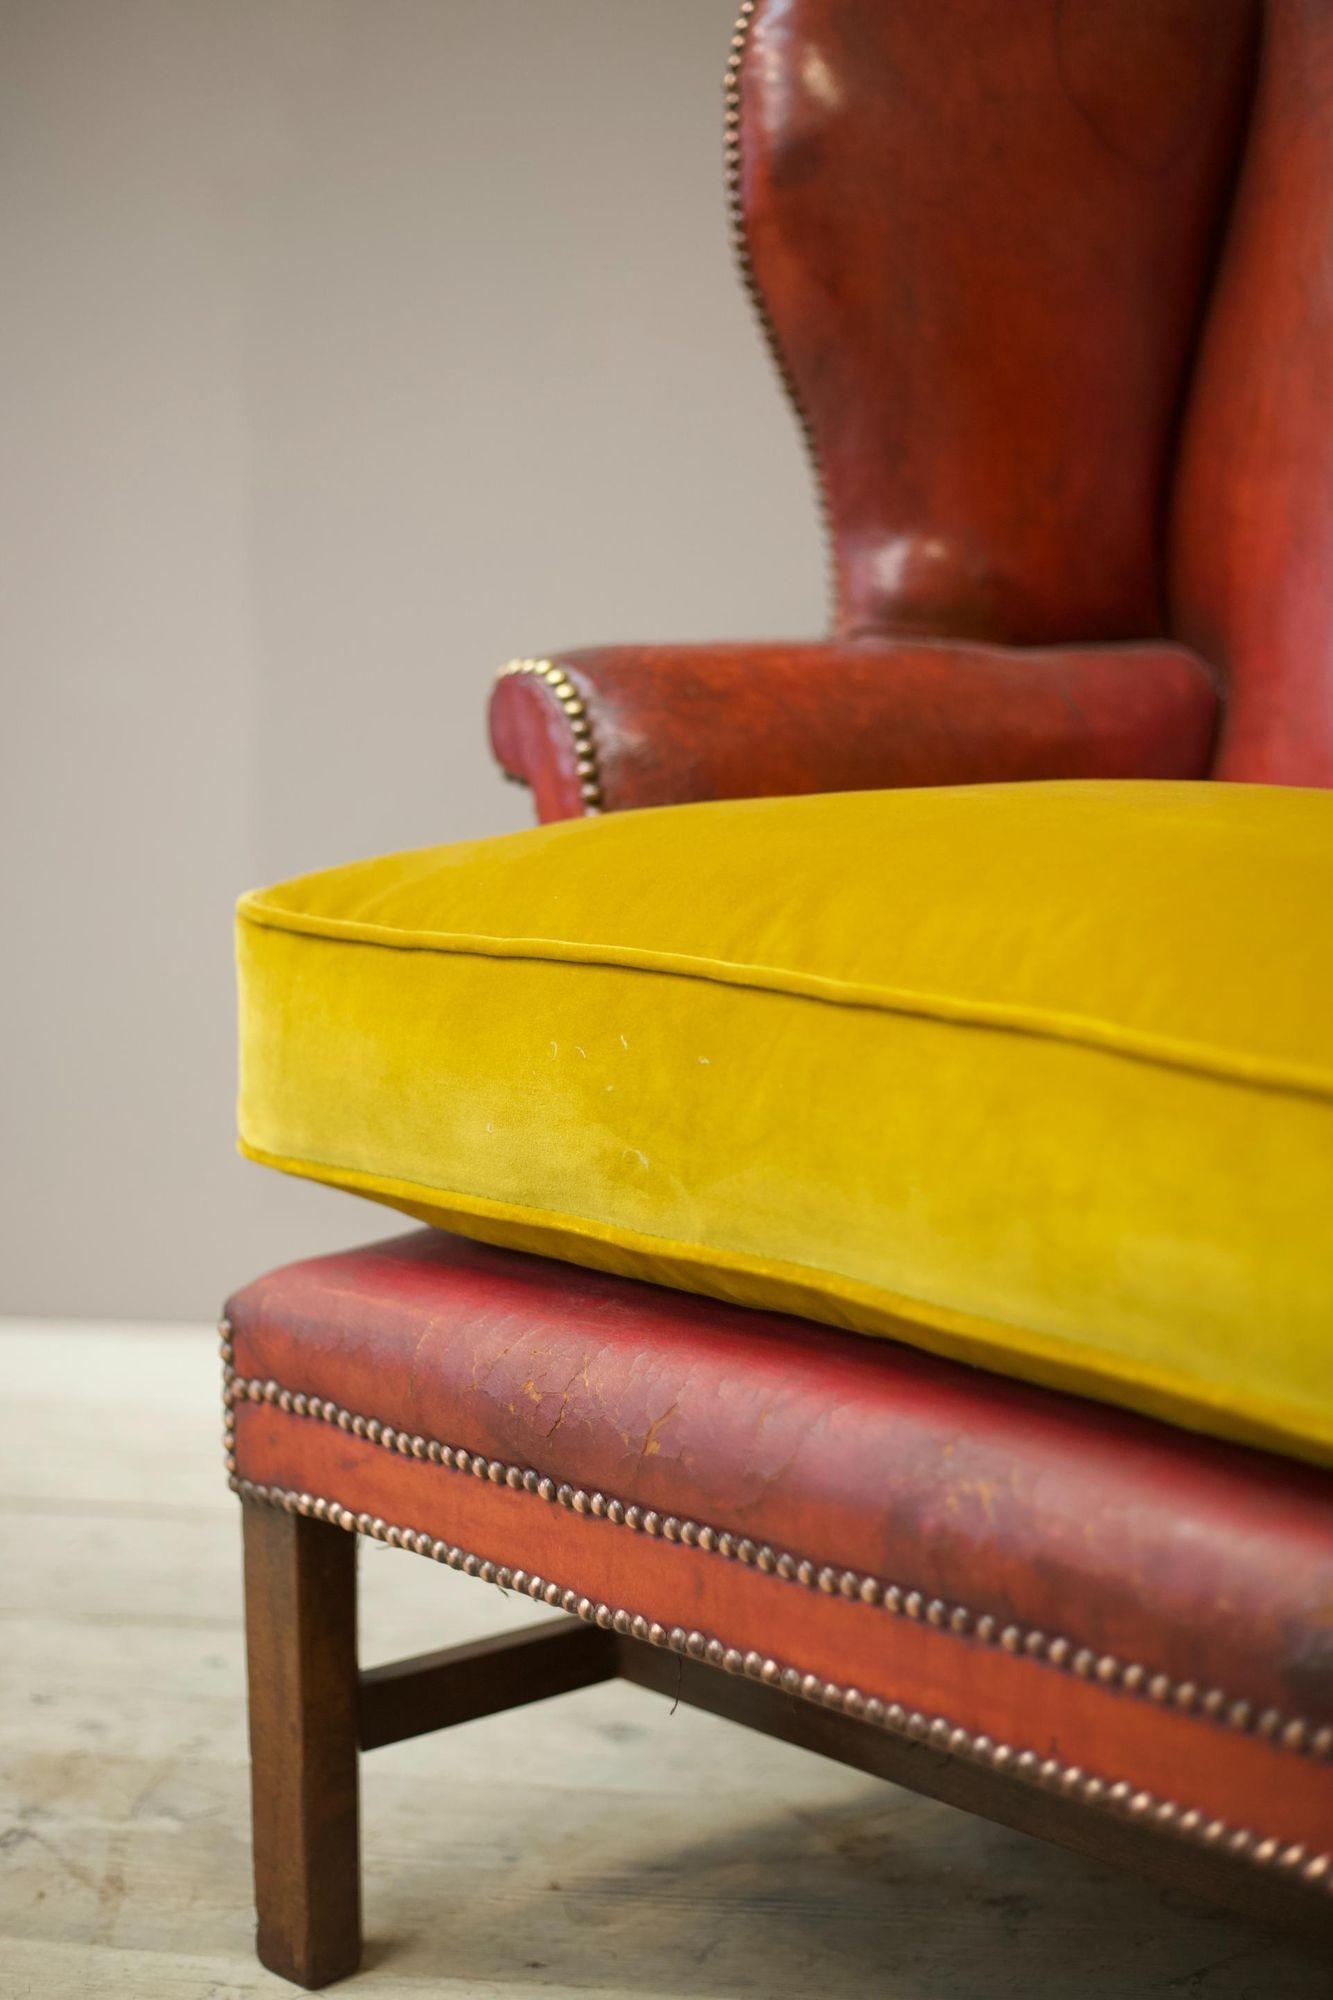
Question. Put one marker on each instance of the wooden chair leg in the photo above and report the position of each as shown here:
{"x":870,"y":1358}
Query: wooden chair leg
{"x":300,"y":1618}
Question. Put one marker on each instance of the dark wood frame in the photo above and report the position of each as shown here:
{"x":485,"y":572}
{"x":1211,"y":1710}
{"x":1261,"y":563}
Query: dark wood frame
{"x":312,"y":1712}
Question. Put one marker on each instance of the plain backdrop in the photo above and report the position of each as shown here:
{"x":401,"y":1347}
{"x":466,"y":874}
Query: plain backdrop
{"x":350,"y":347}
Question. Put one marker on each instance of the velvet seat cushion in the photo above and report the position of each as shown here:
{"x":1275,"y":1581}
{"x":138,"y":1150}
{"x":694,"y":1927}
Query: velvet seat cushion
{"x":1039,"y":1077}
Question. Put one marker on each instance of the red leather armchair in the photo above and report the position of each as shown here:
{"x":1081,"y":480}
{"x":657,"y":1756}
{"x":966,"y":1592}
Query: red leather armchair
{"x":1034,"y":281}
{"x":1041,"y":282}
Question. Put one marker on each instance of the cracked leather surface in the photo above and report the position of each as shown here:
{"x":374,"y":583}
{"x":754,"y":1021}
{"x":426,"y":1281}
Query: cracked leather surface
{"x":1209,"y":1562}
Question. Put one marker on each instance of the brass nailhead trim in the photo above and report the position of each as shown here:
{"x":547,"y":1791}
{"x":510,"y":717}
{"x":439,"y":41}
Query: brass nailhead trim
{"x":576,"y":714}
{"x":228,"y":1412}
{"x":1118,"y":1797}
{"x":564,"y":690}
{"x":1294,"y":1734}
{"x":745,"y":267}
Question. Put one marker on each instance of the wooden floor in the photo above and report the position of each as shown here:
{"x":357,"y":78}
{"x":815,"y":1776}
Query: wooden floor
{"x":599,"y":1845}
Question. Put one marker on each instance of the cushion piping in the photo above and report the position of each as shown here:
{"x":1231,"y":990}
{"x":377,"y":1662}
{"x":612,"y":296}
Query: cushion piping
{"x":1162,"y":1051}
{"x":991,"y":1345}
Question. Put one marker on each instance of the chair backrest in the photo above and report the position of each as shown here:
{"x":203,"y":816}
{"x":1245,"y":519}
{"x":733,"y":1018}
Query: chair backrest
{"x":1251,"y":530}
{"x":1050,"y":284}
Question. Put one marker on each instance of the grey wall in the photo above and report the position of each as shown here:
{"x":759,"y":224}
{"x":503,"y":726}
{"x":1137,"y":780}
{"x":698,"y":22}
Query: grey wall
{"x":349,"y":347}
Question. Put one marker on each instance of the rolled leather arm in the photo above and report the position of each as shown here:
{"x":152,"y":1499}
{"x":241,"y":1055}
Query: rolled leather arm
{"x":625,"y":726}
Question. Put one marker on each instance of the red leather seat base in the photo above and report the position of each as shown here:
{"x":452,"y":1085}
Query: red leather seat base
{"x":1100,"y":1604}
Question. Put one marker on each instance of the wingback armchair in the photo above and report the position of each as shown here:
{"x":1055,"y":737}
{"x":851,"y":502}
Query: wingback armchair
{"x":1037,"y":283}
{"x":876,"y":1274}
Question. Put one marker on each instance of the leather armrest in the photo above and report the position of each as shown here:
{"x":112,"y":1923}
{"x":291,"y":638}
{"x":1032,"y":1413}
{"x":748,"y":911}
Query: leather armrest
{"x":622,"y":726}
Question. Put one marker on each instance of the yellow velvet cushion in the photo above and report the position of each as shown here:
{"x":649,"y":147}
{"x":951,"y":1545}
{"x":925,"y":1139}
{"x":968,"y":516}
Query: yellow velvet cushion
{"x":1037,"y":1076}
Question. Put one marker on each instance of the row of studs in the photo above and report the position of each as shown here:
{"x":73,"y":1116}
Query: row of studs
{"x":576,"y":714}
{"x":1058,"y":1652}
{"x":229,"y":1379}
{"x":1119,"y":1796}
{"x":744,"y":265}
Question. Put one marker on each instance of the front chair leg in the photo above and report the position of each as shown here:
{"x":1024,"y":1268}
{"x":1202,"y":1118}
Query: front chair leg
{"x":300,"y":1620}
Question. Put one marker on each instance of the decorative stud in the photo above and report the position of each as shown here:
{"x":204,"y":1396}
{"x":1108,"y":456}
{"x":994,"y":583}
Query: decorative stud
{"x":734,"y":170}
{"x":1293,"y":1734}
{"x":575,"y":712}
